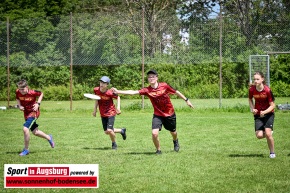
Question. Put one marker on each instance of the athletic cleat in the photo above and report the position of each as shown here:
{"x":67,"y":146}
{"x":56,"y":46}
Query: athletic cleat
{"x":272,"y":155}
{"x":24,"y":152}
{"x":51,"y":142}
{"x":114,"y":146}
{"x":176,"y":145}
{"x":158,"y":152}
{"x":123,"y":133}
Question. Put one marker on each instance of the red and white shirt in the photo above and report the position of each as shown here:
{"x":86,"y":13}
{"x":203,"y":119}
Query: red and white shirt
{"x":160,"y":99}
{"x":106,"y":104}
{"x":262,"y":98}
{"x":27,"y":101}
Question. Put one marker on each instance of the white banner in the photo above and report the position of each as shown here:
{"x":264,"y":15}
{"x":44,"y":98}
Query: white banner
{"x":51,"y":176}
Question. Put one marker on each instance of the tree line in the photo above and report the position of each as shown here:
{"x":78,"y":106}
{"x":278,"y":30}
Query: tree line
{"x":40,"y":44}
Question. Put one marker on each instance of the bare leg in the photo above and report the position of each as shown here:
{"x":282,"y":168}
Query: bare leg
{"x":117,"y":130}
{"x":112,"y":135}
{"x":260,"y":134}
{"x":41,"y":134}
{"x":26,"y":137}
{"x":270,"y":139}
{"x":174,"y":135}
{"x":155,"y":138}
{"x":122,"y":132}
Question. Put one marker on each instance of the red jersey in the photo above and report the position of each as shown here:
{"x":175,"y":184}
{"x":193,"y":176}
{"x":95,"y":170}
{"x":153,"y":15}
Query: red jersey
{"x":262,"y":98}
{"x":160,"y":99}
{"x":106,"y":104}
{"x":27,"y":101}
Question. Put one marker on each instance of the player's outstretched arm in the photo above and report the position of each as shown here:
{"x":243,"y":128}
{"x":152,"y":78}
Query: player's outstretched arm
{"x":184,"y":98}
{"x":118,"y":105}
{"x":129,"y":92}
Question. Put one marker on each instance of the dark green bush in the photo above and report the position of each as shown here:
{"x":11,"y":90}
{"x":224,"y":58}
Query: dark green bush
{"x":193,"y":80}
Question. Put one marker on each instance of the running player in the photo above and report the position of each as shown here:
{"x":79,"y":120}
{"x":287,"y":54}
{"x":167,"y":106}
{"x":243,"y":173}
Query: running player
{"x":164,"y":113}
{"x":263,"y":110}
{"x":26,"y":101}
{"x":108,"y":110}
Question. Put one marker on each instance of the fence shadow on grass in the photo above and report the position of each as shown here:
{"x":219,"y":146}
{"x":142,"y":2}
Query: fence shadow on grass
{"x":246,"y":155}
{"x":97,"y":148}
{"x":130,"y":153}
{"x":142,"y":153}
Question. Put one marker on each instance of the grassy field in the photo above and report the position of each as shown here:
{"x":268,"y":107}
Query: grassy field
{"x":219,"y":151}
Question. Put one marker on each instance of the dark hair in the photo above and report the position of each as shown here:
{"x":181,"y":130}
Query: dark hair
{"x":22,"y":84}
{"x":261,"y":74}
{"x":258,"y":73}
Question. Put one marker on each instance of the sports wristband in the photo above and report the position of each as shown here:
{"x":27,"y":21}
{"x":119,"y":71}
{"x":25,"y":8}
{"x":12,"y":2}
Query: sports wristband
{"x":38,"y":104}
{"x":186,"y":99}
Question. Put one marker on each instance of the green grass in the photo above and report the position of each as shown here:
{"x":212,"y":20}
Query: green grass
{"x":219,"y":151}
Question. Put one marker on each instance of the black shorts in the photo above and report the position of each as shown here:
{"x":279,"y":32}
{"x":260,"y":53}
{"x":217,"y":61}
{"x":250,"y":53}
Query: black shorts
{"x":108,"y":123}
{"x":169,"y":123}
{"x":264,"y":122}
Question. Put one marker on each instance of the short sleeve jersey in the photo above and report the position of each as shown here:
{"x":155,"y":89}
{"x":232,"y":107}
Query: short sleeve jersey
{"x":106,"y":104}
{"x":160,"y":99}
{"x":27,"y":101}
{"x":262,"y":98}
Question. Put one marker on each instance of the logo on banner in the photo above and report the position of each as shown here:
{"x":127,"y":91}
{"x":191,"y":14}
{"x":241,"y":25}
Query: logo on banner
{"x":51,"y":175}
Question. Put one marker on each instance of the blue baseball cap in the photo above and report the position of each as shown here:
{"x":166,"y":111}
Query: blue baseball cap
{"x":105,"y":79}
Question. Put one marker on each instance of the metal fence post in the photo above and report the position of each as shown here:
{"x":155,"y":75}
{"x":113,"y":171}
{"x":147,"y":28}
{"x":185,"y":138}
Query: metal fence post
{"x":8,"y":64}
{"x":71,"y":62}
{"x":143,"y":54}
{"x":221,"y":56}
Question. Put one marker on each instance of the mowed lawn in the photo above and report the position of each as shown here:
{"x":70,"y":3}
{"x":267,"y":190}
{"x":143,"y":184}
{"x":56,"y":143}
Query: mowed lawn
{"x":219,"y":151}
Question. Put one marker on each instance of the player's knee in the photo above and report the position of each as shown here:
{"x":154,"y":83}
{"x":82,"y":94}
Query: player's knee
{"x":174,"y":132}
{"x":25,"y":129}
{"x":155,"y":135}
{"x":108,"y":131}
{"x":268,"y":135}
{"x":260,"y":135}
{"x":35,"y":132}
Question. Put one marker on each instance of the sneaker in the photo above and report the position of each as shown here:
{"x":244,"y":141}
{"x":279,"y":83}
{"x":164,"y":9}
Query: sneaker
{"x":176,"y":145}
{"x":114,"y":146}
{"x":272,"y":155}
{"x":51,"y":142}
{"x":24,"y":152}
{"x":158,"y":152}
{"x":123,"y":133}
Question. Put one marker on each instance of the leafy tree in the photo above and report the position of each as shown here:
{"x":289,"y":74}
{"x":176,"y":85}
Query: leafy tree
{"x":18,"y":9}
{"x":96,"y":6}
{"x":30,"y":35}
{"x":191,"y":11}
{"x":157,"y":14}
{"x":250,"y":15}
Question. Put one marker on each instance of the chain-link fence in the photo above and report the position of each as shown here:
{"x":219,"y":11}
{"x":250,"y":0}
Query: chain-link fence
{"x":117,"y":39}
